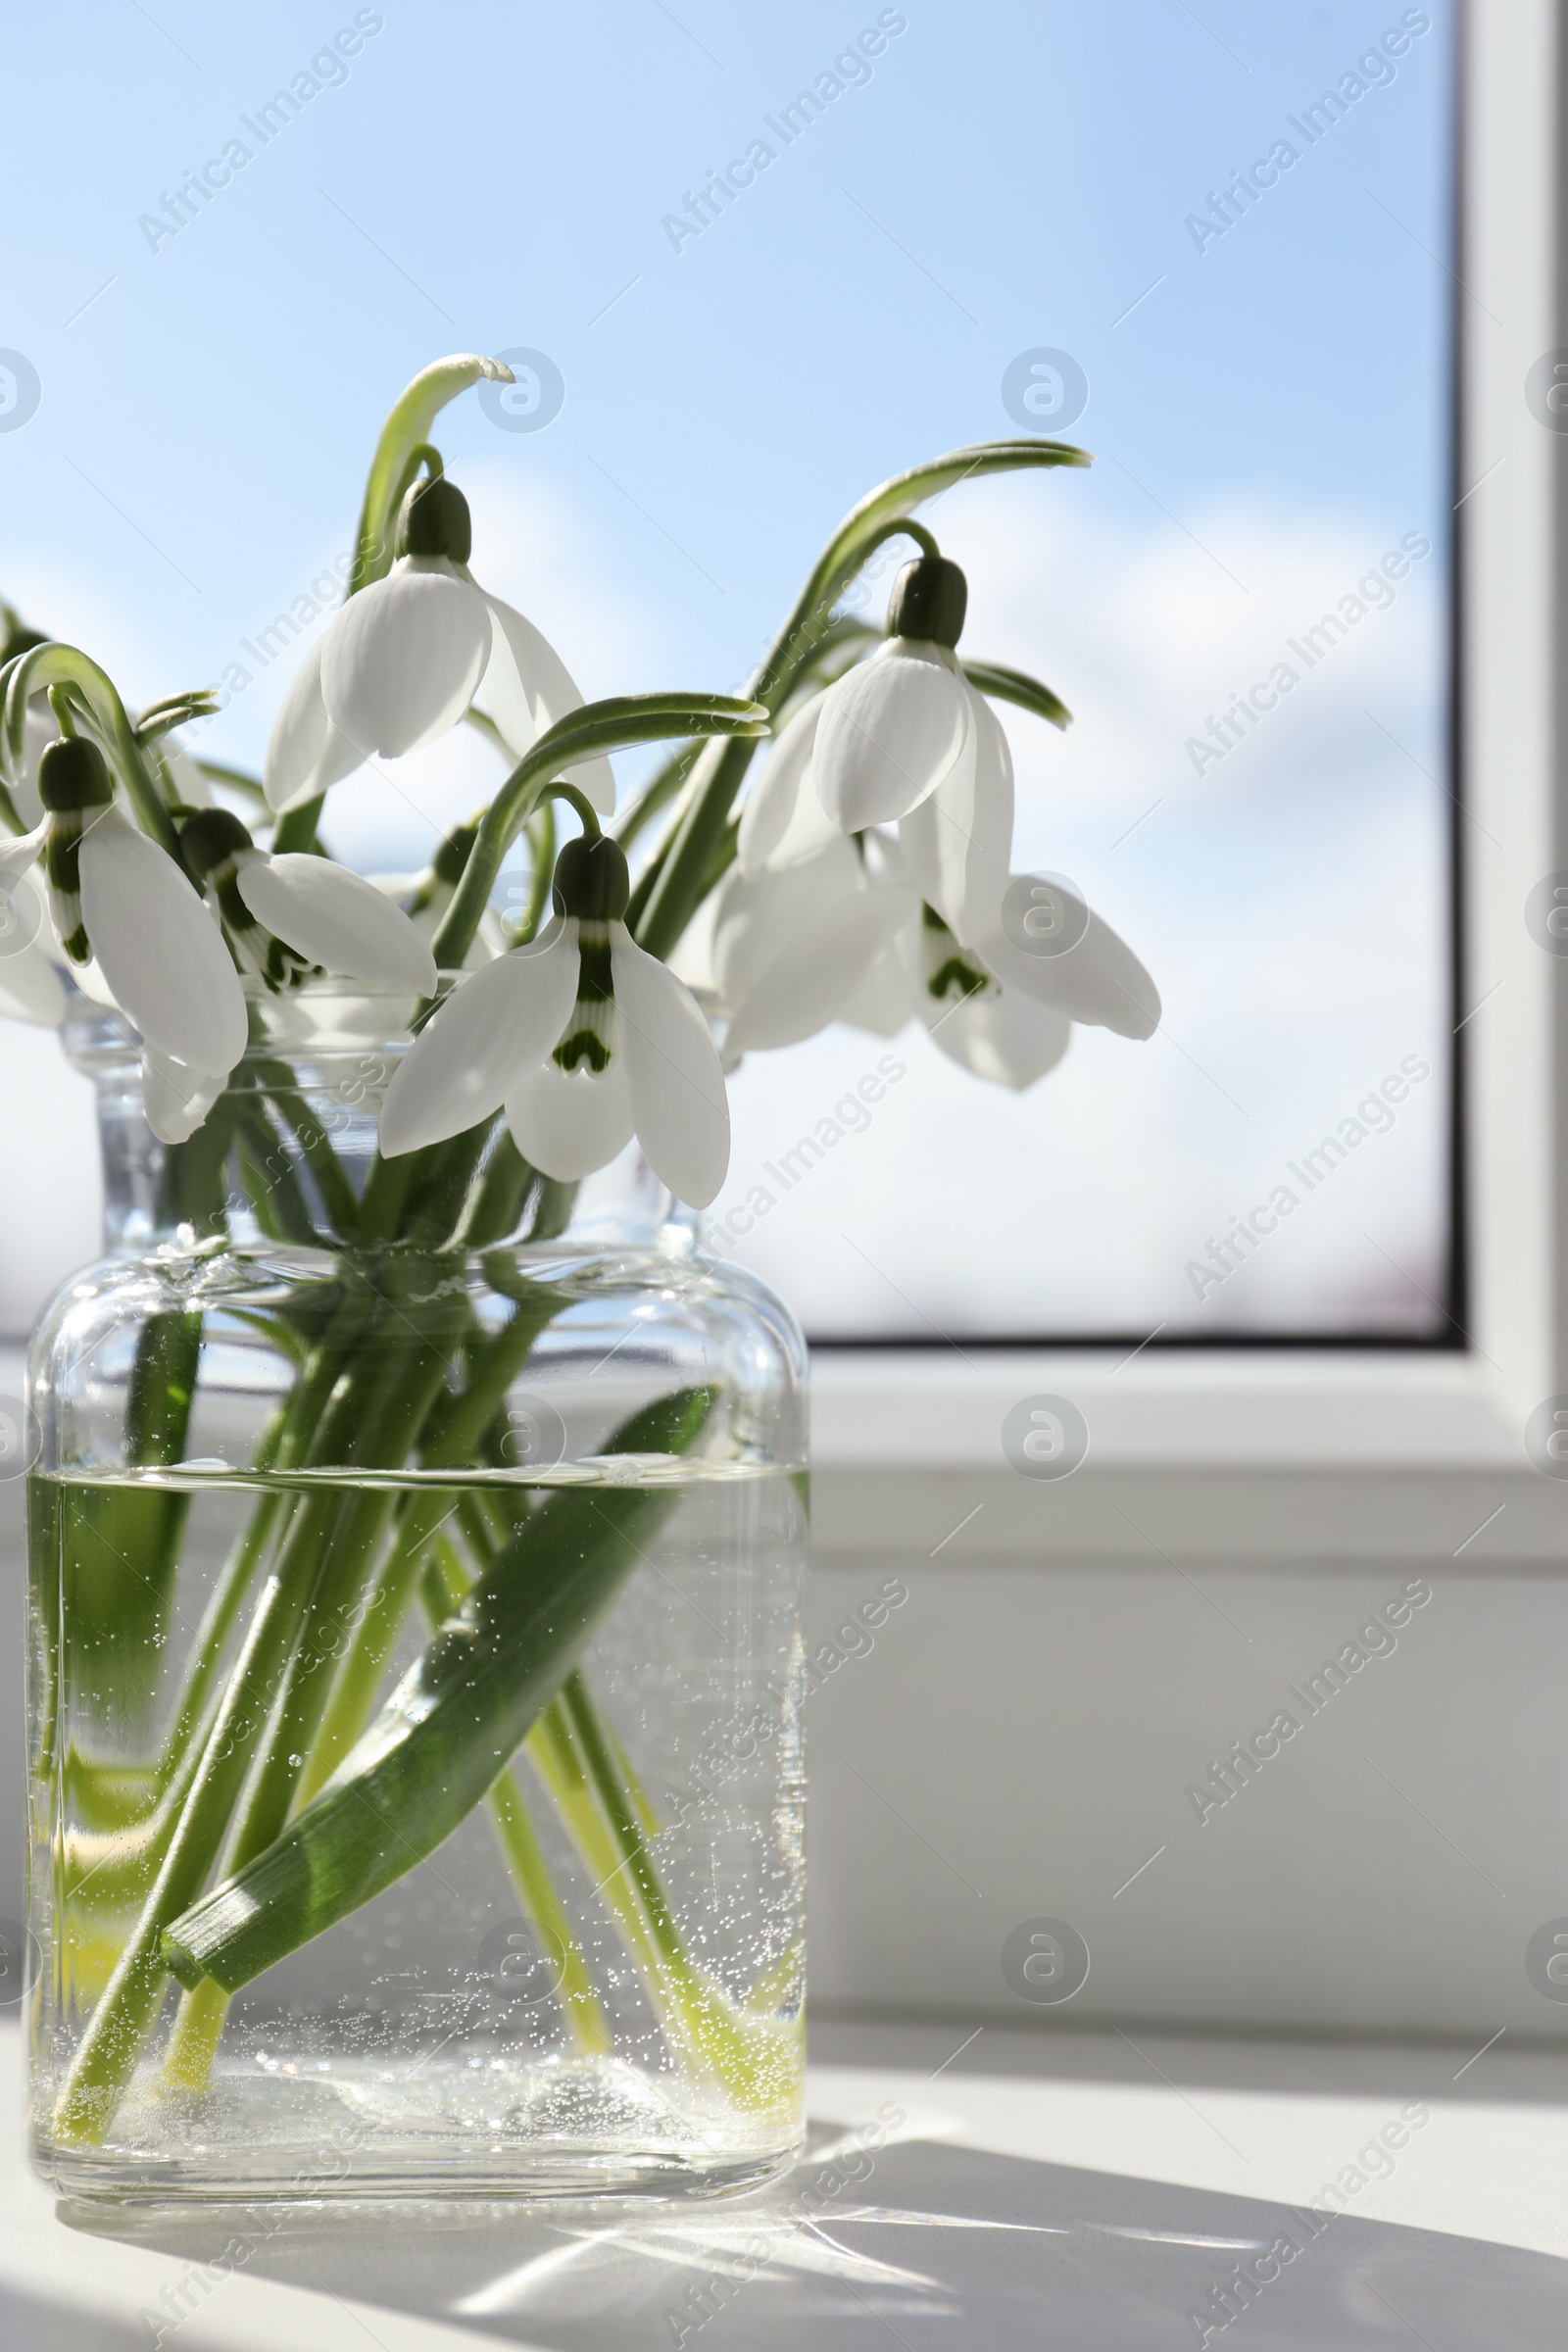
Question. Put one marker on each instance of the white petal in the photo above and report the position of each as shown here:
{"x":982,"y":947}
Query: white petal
{"x":490,"y":940}
{"x":160,"y":948}
{"x":527,"y":687}
{"x":89,"y":981}
{"x":402,"y":658}
{"x":815,"y":976}
{"x":756,"y":919}
{"x":692,"y":959}
{"x":884,"y":1000}
{"x":497,"y":1023}
{"x":306,"y":753}
{"x":18,"y":852}
{"x":31,"y":989}
{"x":888,"y":733}
{"x":567,"y":1123}
{"x":780,"y":822}
{"x":958,"y":840}
{"x":176,"y":1097}
{"x":678,"y":1086}
{"x":1005,"y":1037}
{"x":337,"y":919}
{"x":1099,"y":982}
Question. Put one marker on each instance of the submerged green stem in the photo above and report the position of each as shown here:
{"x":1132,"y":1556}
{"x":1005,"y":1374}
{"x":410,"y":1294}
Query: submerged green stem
{"x":446,"y":1588}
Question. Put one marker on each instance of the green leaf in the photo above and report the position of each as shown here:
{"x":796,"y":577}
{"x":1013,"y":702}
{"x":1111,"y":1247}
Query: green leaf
{"x":608,"y":726}
{"x":1016,"y":686}
{"x":177,"y":710}
{"x":408,"y":424}
{"x":450,"y":1728}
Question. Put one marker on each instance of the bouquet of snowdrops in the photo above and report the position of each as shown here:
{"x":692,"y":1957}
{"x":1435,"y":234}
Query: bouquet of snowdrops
{"x":864,"y":875}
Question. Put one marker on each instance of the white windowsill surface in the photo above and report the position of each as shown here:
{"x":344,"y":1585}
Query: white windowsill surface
{"x":1087,"y":2190}
{"x":1175,"y":1409}
{"x":1251,"y":1459}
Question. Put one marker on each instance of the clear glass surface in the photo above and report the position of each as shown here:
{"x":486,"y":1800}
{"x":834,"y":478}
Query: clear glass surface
{"x":268,"y":1475}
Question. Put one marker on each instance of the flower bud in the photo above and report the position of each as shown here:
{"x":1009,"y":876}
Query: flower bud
{"x":434,"y":520}
{"x":73,"y":774}
{"x":211,"y":839}
{"x":451,"y":858}
{"x":929,"y":599}
{"x":592,"y":881}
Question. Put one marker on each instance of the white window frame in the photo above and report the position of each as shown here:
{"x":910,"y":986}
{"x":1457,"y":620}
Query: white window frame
{"x":1275,"y":1456}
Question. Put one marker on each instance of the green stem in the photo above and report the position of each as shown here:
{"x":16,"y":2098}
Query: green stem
{"x":259,"y":1692}
{"x":458,"y":1714}
{"x":607,"y":726}
{"x":701,"y":2012}
{"x":194,"y":2036}
{"x":406,"y":427}
{"x":340,"y":1588}
{"x":883,"y":514}
{"x":504,"y":1189}
{"x":337,"y":1194}
{"x":124,"y":2016}
{"x":446,"y":1588}
{"x":54,"y":665}
{"x":376,"y":1637}
{"x":541,"y":831}
{"x":656,"y":793}
{"x":222,"y":1613}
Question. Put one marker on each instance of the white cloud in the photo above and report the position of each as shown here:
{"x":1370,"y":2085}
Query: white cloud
{"x":1291,"y":903}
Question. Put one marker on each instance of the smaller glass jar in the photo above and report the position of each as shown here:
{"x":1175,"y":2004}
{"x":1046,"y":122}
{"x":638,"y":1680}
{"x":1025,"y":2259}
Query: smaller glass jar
{"x":414,"y":1665}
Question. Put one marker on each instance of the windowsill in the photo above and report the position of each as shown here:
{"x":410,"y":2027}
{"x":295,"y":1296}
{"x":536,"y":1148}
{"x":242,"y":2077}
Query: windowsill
{"x":1079,"y":2190}
{"x":1186,"y":1408}
{"x":1254,"y":1459}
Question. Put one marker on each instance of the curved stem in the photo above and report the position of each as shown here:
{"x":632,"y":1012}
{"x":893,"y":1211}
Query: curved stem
{"x":542,"y":843}
{"x":405,"y":430}
{"x":587,"y":813}
{"x":52,"y":664}
{"x":883,"y":514}
{"x":608,"y":726}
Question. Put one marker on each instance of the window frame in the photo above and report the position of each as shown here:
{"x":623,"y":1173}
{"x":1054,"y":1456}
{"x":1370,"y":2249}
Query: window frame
{"x":1335,"y":1452}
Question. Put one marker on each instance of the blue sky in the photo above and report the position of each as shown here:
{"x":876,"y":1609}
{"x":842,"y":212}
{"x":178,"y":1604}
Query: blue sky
{"x":993,"y":180}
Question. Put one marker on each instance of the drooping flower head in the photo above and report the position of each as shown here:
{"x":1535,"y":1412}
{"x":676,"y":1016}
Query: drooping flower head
{"x":288,"y":913}
{"x":119,"y":900}
{"x":583,"y":1037}
{"x":402,"y":662}
{"x":901,"y":739}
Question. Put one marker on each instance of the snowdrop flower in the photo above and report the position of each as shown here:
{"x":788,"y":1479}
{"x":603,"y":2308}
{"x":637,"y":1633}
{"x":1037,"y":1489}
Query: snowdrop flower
{"x":584,"y":1038}
{"x":995,"y":1032}
{"x":902,"y":738}
{"x":284,"y":912}
{"x":1002,"y":1012}
{"x":119,"y":900}
{"x":400,"y":662}
{"x":30,"y":987}
{"x":785,"y":952}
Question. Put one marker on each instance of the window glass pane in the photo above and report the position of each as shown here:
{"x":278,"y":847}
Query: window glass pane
{"x":1247,"y":604}
{"x":916,"y":207}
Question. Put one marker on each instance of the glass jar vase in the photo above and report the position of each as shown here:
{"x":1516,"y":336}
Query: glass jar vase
{"x":414,"y":1664}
